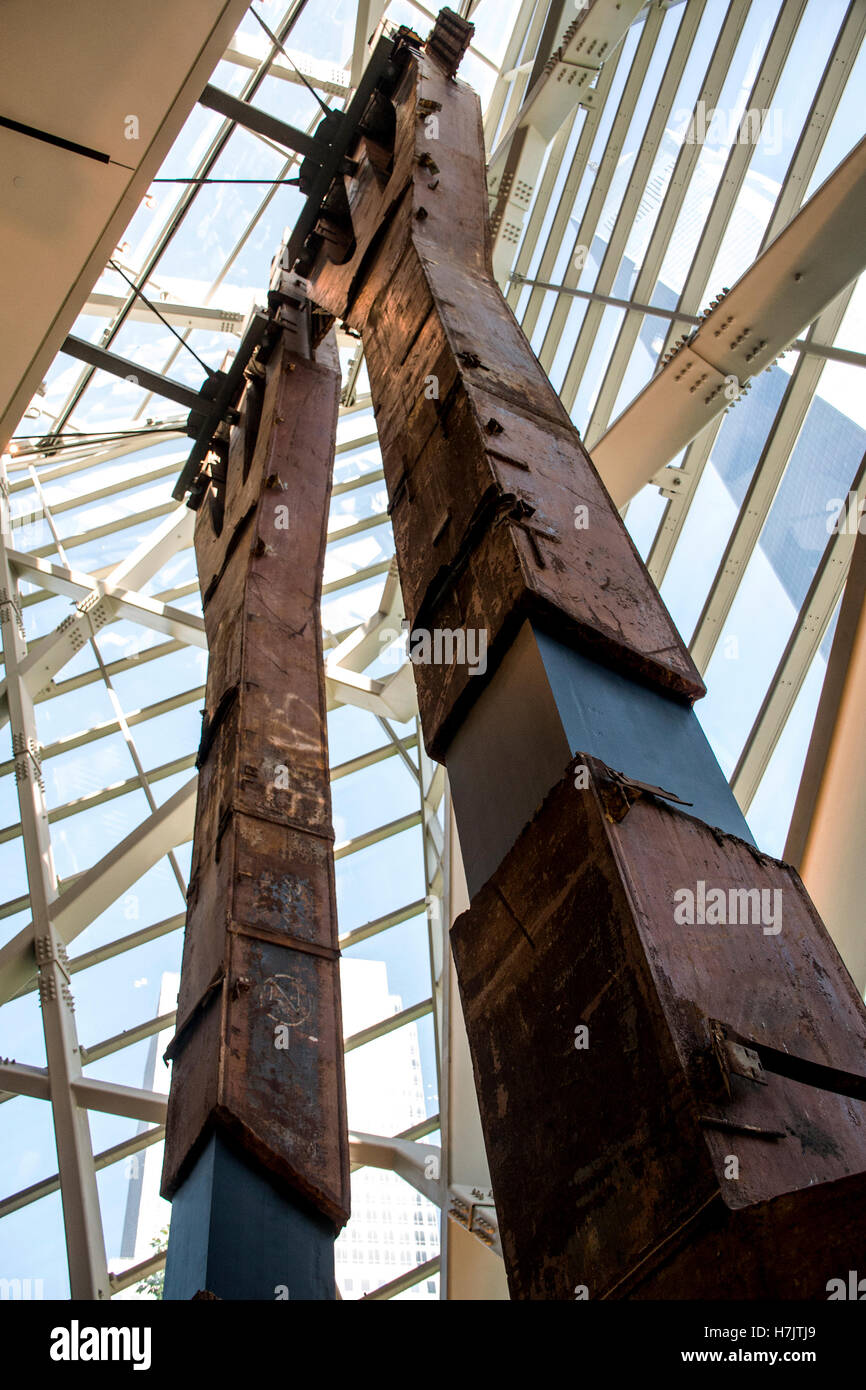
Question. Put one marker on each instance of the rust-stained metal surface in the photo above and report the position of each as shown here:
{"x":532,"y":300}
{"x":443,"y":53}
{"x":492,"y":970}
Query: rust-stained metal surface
{"x":448,"y":40}
{"x":671,"y":1107}
{"x":498,"y":512}
{"x":661,"y":1153}
{"x":258,"y":1050}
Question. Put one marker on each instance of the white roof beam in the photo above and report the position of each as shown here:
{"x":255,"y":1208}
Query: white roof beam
{"x":812,"y":261}
{"x":250,"y":51}
{"x":367,"y":19}
{"x":568,"y":78}
{"x":216,"y":320}
{"x":559,"y":227}
{"x":634,"y":193}
{"x":499,"y":95}
{"x":740,"y":155}
{"x":138,"y":608}
{"x":101,"y":885}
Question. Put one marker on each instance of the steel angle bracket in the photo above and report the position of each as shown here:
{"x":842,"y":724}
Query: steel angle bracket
{"x":219,"y":398}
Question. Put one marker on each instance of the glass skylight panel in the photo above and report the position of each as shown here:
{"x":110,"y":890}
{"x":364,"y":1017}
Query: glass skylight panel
{"x":358,"y":799}
{"x":379,"y":879}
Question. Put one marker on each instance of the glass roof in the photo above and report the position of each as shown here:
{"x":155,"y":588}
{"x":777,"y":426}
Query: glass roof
{"x":622,"y":208}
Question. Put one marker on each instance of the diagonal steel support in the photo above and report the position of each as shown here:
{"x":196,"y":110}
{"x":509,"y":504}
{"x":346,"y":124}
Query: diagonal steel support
{"x":743,"y":331}
{"x":102,"y":884}
{"x":110,"y":362}
{"x":262,"y":122}
{"x":85,"y":1245}
{"x":554,"y":93}
{"x":104,"y":601}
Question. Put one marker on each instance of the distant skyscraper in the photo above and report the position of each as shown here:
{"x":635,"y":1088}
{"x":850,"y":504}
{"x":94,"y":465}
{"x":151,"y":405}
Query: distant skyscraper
{"x":393,"y":1228}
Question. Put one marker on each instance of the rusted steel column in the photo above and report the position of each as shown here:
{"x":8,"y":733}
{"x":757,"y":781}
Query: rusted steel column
{"x":669,"y":1055}
{"x":506,"y":538}
{"x":258,"y":1054}
{"x":672,"y":1106}
{"x":498,"y":512}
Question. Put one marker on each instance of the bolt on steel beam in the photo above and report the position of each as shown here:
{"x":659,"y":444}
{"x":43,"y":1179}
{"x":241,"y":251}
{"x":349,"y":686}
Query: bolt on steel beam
{"x":544,"y":660}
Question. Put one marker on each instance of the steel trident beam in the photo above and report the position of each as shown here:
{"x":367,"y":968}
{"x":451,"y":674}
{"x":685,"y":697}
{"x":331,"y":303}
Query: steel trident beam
{"x":256,"y":1154}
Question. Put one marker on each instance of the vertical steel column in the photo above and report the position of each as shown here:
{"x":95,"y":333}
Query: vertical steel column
{"x":673,"y":1106}
{"x":85,"y":1246}
{"x":256,"y":1158}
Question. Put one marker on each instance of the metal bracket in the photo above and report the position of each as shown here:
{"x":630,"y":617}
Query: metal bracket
{"x":619,"y":793}
{"x":26,"y":759}
{"x":744,"y":1061}
{"x":48,"y":954}
{"x":95,"y":609}
{"x":8,"y":606}
{"x":316,"y":179}
{"x":217,"y":403}
{"x":775,"y":1060}
{"x":466,"y":1207}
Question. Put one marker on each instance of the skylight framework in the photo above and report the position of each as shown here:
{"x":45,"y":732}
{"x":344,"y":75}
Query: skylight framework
{"x":637,"y":226}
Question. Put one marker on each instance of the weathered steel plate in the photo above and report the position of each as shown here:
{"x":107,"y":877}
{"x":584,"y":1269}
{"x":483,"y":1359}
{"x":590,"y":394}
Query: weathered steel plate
{"x":632,"y":1138}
